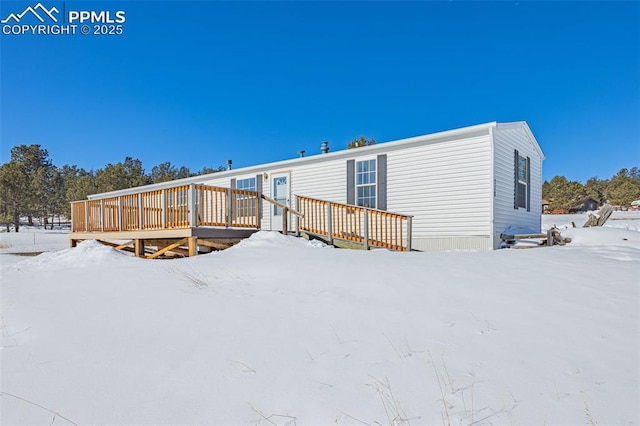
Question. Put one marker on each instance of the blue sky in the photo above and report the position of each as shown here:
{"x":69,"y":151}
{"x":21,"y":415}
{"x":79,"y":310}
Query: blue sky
{"x":197,"y":83}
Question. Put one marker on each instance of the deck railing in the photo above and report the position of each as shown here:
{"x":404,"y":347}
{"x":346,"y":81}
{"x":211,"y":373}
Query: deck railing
{"x":369,"y":227}
{"x":183,"y":206}
{"x":195,"y":205}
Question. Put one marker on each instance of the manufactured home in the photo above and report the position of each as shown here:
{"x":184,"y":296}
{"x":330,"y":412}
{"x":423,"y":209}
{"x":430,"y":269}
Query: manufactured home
{"x":457,"y":189}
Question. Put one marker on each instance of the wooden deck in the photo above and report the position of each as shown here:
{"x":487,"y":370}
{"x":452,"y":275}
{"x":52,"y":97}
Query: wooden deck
{"x":195,"y":215}
{"x":189,"y":219}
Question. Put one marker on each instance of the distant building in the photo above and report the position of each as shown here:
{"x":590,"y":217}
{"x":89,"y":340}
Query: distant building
{"x":589,"y":204}
{"x":545,"y":206}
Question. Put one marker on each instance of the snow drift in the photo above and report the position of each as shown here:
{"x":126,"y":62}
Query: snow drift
{"x":282,"y":330}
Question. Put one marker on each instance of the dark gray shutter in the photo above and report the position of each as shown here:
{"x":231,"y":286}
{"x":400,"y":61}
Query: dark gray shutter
{"x":259,"y":191}
{"x":351,"y":182}
{"x":259,"y":183}
{"x":381,"y":196}
{"x":515,"y":179}
{"x":528,"y":184}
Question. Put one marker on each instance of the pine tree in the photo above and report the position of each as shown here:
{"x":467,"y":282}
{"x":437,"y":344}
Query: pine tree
{"x":595,"y":189}
{"x":14,"y":192}
{"x":127,"y":174}
{"x":163,"y":172}
{"x":28,"y":184}
{"x":624,"y":187}
{"x":360,"y":142}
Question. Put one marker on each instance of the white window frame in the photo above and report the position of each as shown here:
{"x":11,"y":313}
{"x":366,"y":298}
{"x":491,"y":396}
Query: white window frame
{"x":242,"y":209}
{"x":373,"y":185}
{"x":522,"y":160}
{"x":239,"y":182}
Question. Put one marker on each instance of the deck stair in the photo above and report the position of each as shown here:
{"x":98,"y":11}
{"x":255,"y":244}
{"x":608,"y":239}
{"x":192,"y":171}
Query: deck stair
{"x":196,"y":218}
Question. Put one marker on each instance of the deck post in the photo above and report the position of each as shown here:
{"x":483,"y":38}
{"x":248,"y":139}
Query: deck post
{"x":140,"y":213}
{"x":163,"y":206}
{"x":192,"y":206}
{"x":285,"y":219}
{"x":365,"y":231}
{"x":193,"y":246}
{"x":119,"y":213}
{"x":73,"y":243}
{"x":258,"y":211}
{"x":101,"y":215}
{"x":138,"y":245}
{"x":229,"y":209}
{"x":72,"y":222}
{"x":86,"y":216}
{"x":297,"y":218}
{"x":329,"y":222}
{"x":409,"y":231}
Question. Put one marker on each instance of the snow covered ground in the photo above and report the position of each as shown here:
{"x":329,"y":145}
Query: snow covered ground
{"x":278,"y":330}
{"x":30,"y":240}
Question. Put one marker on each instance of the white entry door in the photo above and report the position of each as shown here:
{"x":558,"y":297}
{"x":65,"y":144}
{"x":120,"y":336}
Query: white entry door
{"x":280,"y":193}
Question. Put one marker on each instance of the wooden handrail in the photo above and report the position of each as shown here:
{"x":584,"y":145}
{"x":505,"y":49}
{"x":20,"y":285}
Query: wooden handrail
{"x":361,"y":225}
{"x":282,"y":206}
{"x":179,"y":206}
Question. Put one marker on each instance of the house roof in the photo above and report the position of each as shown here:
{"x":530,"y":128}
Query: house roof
{"x":345,"y":153}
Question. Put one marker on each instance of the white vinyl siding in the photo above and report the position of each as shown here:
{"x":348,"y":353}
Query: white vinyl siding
{"x":445,"y":185}
{"x":507,"y":138}
{"x":324,"y":180}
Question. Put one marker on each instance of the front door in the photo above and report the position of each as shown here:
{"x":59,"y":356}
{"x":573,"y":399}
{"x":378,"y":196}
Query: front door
{"x":280,"y":193}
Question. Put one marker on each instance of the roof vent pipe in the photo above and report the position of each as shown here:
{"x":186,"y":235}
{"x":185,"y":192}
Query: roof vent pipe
{"x":301,"y":153}
{"x":324,"y":147}
{"x":229,"y":163}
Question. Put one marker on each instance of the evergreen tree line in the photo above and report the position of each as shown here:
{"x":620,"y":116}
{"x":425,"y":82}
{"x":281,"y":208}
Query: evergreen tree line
{"x":620,"y":190}
{"x":31,"y":186}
